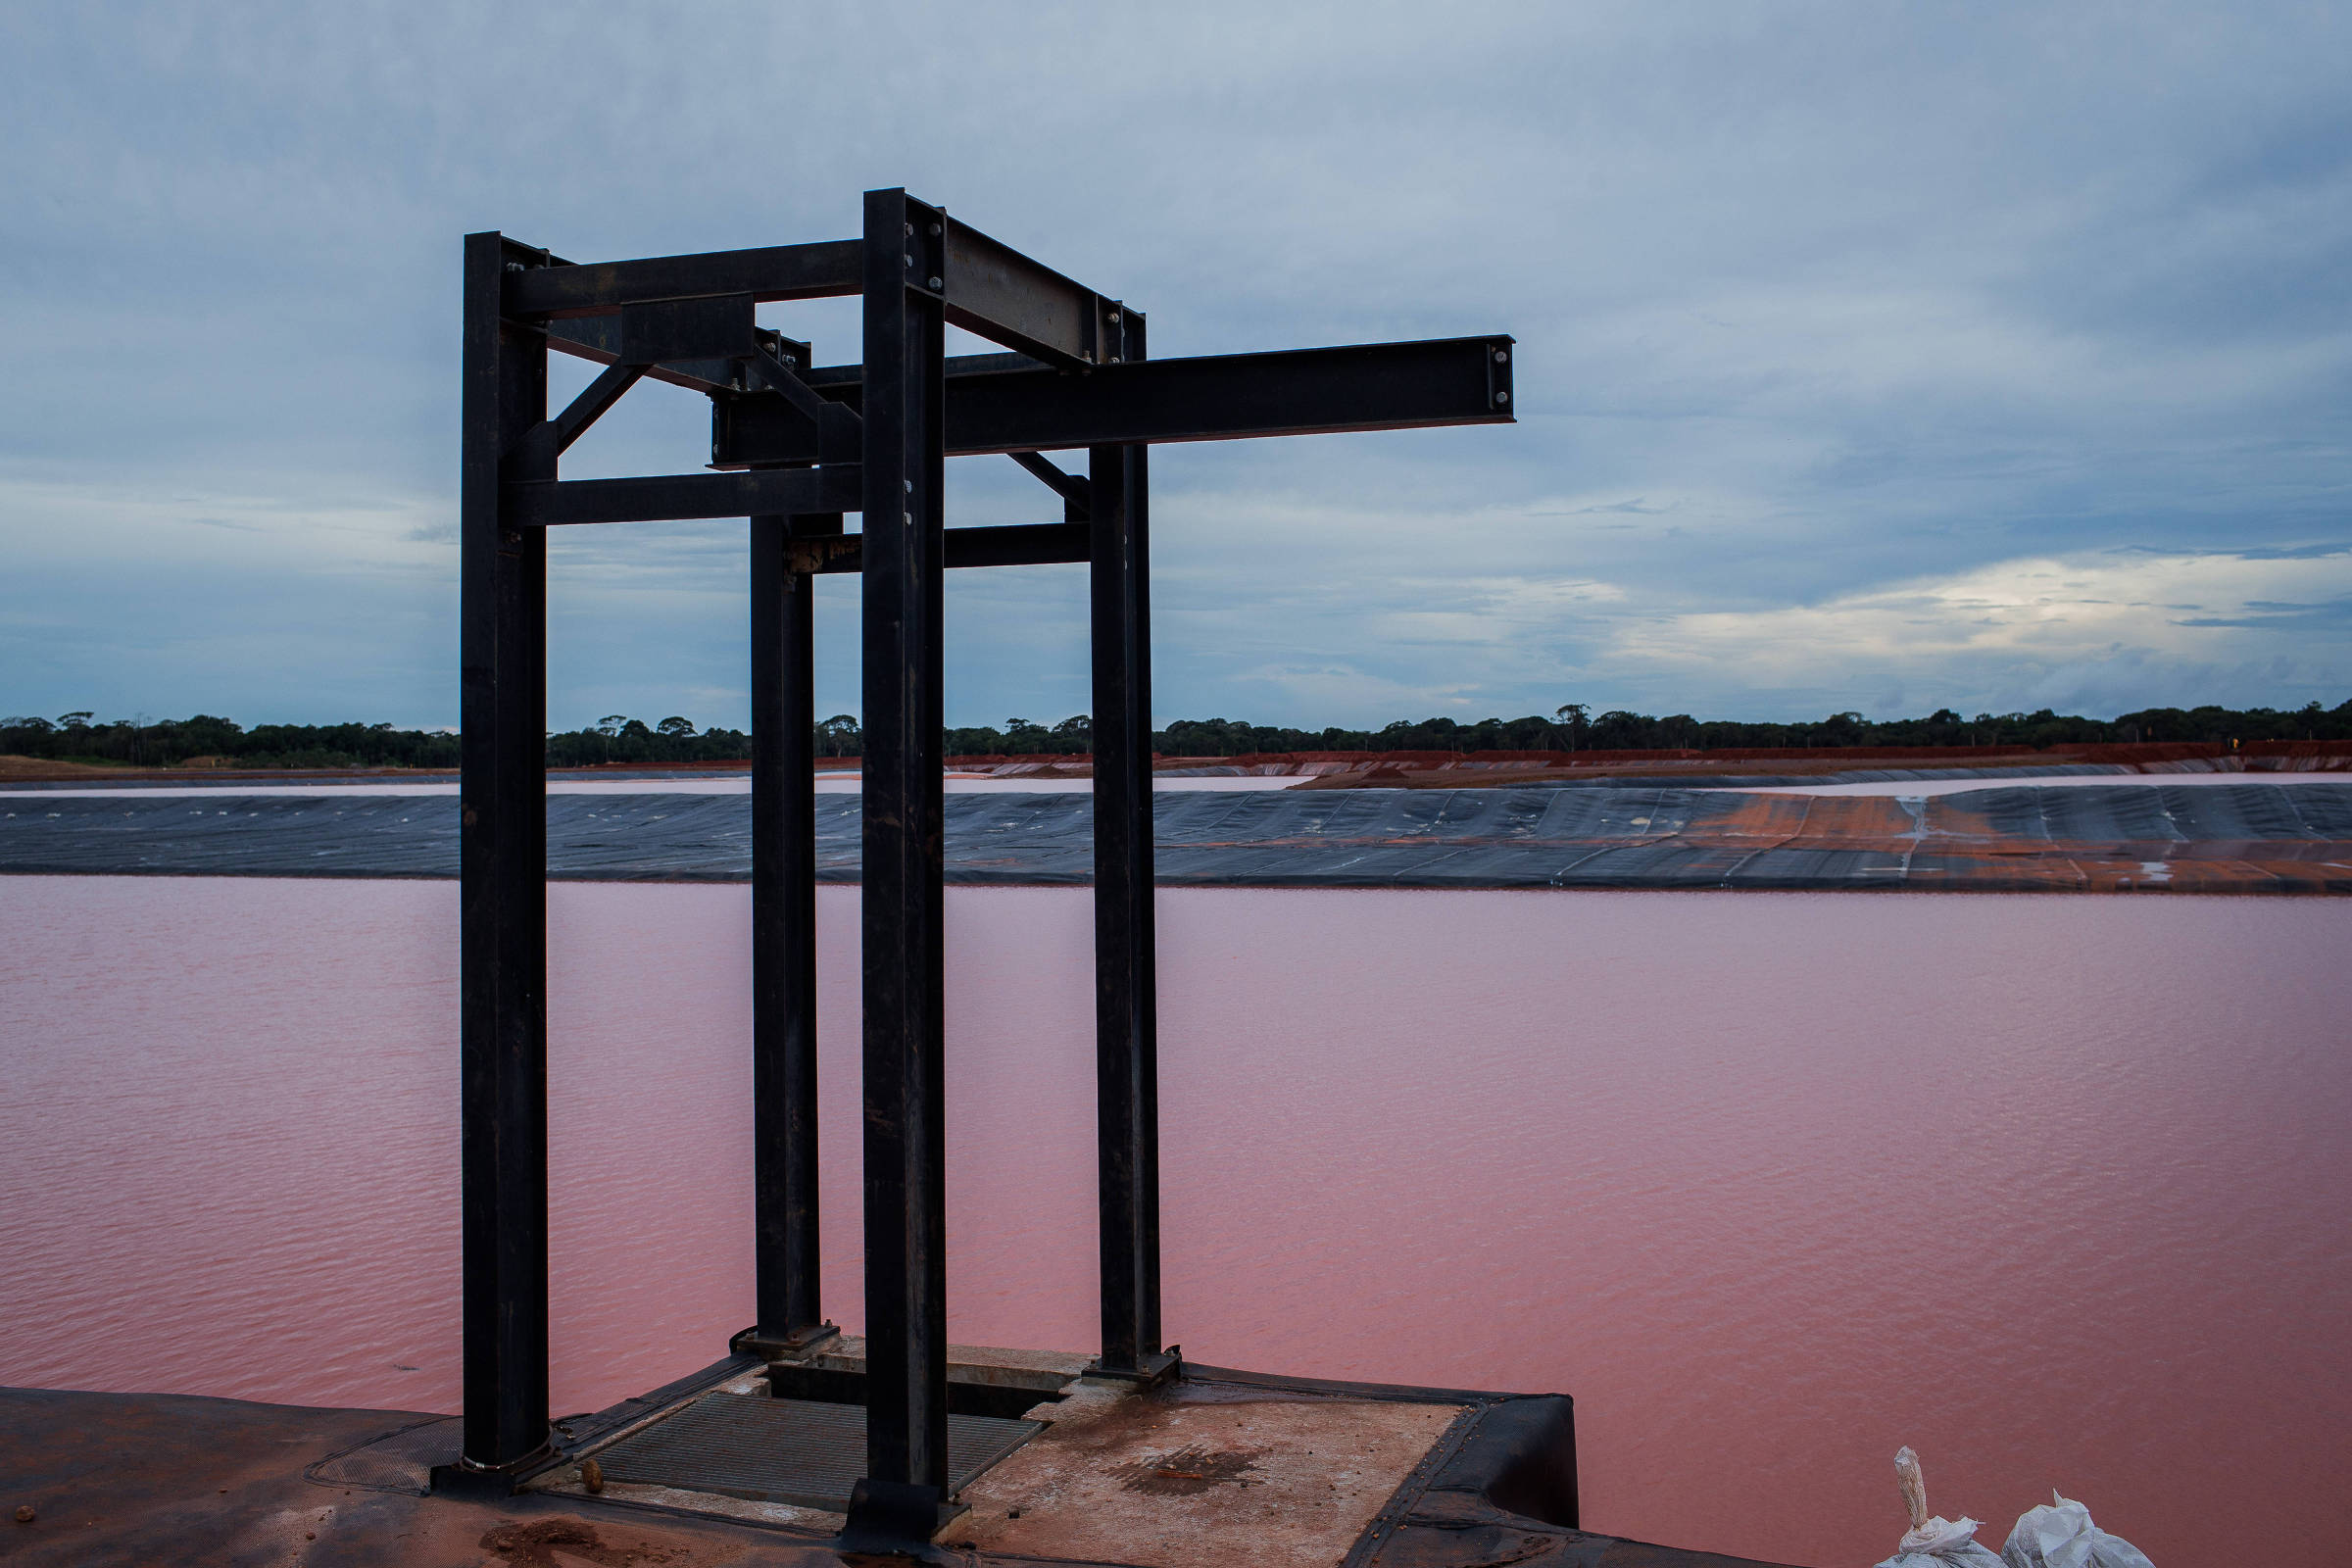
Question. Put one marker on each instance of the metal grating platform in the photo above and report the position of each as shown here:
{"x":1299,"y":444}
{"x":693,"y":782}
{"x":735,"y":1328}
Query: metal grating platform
{"x":785,"y":1450}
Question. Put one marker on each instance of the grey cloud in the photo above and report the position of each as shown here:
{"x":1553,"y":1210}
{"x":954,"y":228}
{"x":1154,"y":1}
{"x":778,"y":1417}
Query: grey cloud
{"x":2333,"y":614}
{"x":2312,"y":551}
{"x":1874,"y":294}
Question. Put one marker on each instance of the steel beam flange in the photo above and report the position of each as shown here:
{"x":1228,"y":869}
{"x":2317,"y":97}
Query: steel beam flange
{"x":899,"y":1519}
{"x":1149,"y":1372}
{"x":467,"y":1479}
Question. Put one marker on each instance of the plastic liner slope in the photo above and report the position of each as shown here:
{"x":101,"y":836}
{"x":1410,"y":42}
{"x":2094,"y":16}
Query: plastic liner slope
{"x":2252,"y":838}
{"x":1750,"y":781}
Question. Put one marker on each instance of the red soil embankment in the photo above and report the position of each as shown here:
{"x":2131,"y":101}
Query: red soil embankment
{"x":1489,"y":770}
{"x":1947,"y":843}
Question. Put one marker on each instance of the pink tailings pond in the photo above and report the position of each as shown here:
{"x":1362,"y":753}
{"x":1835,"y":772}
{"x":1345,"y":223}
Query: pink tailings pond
{"x":2053,"y":1188}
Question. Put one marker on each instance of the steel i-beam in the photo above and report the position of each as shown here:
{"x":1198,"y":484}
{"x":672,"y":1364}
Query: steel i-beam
{"x":1126,"y":1028}
{"x":905,"y":1148}
{"x":501,"y":855}
{"x":784,"y":1136}
{"x":1010,"y":403}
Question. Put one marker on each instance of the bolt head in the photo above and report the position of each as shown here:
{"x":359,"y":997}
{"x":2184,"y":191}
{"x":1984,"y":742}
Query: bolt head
{"x":935,"y":283}
{"x":936,"y":230}
{"x":1502,"y":357}
{"x":1502,"y":397}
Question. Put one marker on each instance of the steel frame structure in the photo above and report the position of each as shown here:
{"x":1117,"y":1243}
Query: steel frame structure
{"x":794,"y":447}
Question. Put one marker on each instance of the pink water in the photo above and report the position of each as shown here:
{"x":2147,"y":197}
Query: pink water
{"x":2053,"y":1188}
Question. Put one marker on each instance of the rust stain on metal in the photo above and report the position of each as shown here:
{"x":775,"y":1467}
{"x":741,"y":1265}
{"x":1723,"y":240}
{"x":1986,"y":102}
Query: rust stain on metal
{"x":1187,"y":1472}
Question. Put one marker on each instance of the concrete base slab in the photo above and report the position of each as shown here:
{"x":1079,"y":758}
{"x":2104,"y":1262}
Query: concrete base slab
{"x":1218,"y":1467}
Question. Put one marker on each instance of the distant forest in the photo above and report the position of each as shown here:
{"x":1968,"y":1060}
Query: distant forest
{"x":205,"y":740}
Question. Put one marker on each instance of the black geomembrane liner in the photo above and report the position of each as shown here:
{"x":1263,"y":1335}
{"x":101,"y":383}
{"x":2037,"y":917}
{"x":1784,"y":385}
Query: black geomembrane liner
{"x":1650,"y":836}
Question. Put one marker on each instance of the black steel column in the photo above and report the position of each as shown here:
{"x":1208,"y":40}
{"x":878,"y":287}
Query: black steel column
{"x":1126,"y":1013}
{"x":503,"y":883}
{"x":783,"y":939}
{"x":906,"y":1150}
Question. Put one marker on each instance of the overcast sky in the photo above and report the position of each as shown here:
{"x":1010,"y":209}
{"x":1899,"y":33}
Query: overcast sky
{"x":1872,"y":356}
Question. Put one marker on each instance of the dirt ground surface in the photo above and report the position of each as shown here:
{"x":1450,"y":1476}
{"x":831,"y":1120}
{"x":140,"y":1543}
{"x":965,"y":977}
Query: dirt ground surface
{"x":135,"y":1479}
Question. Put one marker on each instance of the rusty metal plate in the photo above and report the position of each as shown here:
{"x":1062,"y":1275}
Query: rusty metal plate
{"x":794,"y":1452}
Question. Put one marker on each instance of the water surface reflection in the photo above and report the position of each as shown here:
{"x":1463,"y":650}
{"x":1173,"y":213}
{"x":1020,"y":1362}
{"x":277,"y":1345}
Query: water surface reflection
{"x":2051,"y":1188}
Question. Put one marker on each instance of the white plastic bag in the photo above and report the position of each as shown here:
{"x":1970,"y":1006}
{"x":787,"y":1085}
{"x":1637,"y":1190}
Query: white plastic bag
{"x":2060,"y":1535}
{"x":1934,"y":1542}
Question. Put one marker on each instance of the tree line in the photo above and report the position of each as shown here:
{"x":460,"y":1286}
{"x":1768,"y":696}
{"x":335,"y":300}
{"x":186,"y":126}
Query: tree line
{"x":1575,"y":727}
{"x":202,"y":739}
{"x":143,"y":742}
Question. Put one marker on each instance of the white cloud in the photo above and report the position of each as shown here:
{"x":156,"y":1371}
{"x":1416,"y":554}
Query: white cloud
{"x":2062,"y":629}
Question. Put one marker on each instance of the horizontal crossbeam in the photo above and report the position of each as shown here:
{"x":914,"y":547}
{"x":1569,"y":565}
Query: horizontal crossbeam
{"x":772,"y":272}
{"x":996,"y":292}
{"x":1034,"y":544}
{"x":988,"y":287}
{"x":597,"y":339}
{"x":1002,"y":403}
{"x":548,"y":504}
{"x":600,"y":338}
{"x":846,"y":379}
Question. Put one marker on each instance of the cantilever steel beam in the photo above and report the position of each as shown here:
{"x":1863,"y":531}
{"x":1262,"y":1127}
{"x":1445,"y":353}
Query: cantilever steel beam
{"x":1002,"y":403}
